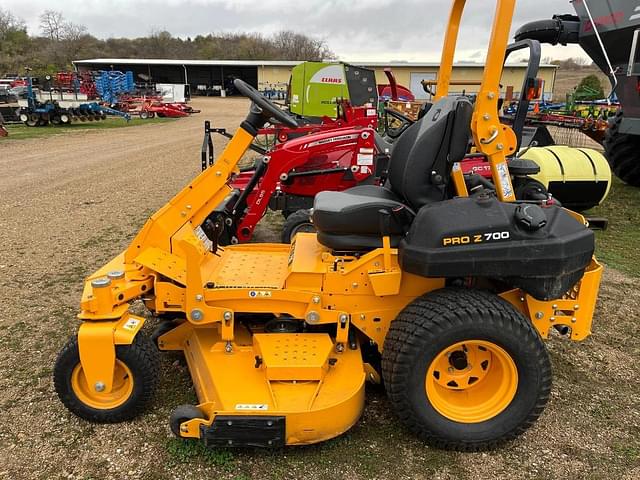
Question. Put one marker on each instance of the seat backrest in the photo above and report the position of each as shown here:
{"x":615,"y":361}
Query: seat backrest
{"x":422,"y":157}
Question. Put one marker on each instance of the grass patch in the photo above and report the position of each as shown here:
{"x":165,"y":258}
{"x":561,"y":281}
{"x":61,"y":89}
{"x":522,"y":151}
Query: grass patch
{"x":185,"y":451}
{"x":22,"y":132}
{"x":616,"y":246}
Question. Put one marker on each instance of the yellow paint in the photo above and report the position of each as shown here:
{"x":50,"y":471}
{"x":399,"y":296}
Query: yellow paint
{"x":459,"y":184}
{"x":293,"y":356}
{"x":481,"y":390}
{"x":574,"y":310}
{"x":325,"y":402}
{"x":120,"y":392}
{"x":97,"y":342}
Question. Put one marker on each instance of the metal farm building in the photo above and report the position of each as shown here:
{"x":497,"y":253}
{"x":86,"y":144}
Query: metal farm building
{"x":211,"y":76}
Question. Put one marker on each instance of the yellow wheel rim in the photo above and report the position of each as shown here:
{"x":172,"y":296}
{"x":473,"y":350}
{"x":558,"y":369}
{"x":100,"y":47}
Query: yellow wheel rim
{"x":119,"y":394}
{"x":471,"y":381}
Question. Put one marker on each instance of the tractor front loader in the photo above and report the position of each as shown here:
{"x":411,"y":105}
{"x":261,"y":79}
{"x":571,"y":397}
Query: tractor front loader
{"x":443,"y":293}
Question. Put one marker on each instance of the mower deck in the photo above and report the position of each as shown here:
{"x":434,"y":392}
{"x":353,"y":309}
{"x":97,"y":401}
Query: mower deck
{"x":294,"y":381}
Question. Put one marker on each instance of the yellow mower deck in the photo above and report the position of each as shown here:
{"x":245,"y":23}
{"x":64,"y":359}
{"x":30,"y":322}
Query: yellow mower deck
{"x":297,"y":377}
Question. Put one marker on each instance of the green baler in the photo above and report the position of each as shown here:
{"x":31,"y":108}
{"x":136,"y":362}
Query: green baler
{"x":316,"y":86}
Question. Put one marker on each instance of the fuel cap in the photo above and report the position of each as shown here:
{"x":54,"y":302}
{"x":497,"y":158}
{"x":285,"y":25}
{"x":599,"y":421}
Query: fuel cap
{"x":530,"y":216}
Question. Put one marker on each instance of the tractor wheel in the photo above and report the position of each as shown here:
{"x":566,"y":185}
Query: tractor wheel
{"x":465,"y":370}
{"x":623,"y":152}
{"x":152,"y":114}
{"x":56,"y":120}
{"x":144,"y":114}
{"x":183,"y":413}
{"x":33,"y":120}
{"x":298,"y":221}
{"x":135,"y":381}
{"x":23,"y":117}
{"x":65,"y":119}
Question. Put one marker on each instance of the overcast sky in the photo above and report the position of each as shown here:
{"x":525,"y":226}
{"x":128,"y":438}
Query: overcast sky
{"x":366,"y":30}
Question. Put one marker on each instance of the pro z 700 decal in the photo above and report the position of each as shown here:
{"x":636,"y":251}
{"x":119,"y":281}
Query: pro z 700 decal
{"x":475,"y":238}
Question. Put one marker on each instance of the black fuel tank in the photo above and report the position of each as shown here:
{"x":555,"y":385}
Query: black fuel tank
{"x":542,"y":249}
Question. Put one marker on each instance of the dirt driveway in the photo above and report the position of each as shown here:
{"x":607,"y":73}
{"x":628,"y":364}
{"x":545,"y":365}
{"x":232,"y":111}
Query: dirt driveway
{"x":70,"y":202}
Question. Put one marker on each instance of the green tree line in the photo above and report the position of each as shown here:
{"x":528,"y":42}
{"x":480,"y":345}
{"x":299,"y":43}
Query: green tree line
{"x":59,"y":42}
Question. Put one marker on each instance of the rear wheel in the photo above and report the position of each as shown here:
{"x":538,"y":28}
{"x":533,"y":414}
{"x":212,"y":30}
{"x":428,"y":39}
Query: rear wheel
{"x":623,"y":152}
{"x":465,"y":370}
{"x":298,"y":221}
{"x":134,"y":382}
{"x":144,"y":114}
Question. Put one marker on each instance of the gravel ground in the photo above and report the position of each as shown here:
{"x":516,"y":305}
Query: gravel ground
{"x":70,"y":202}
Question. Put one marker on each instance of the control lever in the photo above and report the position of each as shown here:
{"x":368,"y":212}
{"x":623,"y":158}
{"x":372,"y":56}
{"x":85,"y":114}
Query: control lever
{"x":385,"y":229}
{"x":385,"y":222}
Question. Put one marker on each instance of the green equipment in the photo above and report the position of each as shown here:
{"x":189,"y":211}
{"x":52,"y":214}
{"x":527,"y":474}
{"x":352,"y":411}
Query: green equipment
{"x":316,"y":88}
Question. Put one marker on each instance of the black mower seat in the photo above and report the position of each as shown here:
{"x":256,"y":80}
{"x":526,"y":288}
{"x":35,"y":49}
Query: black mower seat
{"x":350,"y":220}
{"x":418,"y":174}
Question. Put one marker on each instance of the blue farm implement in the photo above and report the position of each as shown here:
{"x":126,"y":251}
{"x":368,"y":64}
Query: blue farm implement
{"x":110,"y":85}
{"x":61,"y":106}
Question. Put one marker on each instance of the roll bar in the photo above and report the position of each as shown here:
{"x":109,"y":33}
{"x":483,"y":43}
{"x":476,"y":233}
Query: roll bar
{"x":490,"y":136}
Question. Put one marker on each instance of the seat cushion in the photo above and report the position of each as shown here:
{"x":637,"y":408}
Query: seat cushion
{"x":356,"y":212}
{"x":351,"y":220}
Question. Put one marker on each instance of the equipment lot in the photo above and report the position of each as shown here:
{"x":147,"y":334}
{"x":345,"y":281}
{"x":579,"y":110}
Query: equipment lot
{"x":70,"y":202}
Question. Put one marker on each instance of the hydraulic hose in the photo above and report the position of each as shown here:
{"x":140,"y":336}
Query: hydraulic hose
{"x":560,"y":29}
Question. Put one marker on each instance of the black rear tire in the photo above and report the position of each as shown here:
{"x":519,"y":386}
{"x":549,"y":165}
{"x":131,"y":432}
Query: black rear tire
{"x":163,"y":327}
{"x":298,"y":221}
{"x":141,"y":358}
{"x":623,"y":152}
{"x":435,"y":322}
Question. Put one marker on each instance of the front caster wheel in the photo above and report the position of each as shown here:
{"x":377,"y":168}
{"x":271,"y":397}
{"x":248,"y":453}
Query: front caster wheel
{"x":135,"y":380}
{"x":465,"y":370}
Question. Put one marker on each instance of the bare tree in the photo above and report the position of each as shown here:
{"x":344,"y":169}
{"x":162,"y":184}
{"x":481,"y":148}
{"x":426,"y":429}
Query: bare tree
{"x":73,"y":32}
{"x":9,"y":23}
{"x":52,"y":24}
{"x":296,"y":46}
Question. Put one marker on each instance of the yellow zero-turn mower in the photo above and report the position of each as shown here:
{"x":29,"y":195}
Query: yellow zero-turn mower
{"x":444,"y":295}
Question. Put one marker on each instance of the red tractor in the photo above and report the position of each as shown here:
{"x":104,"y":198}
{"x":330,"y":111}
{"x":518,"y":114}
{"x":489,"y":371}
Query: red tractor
{"x":289,"y":175}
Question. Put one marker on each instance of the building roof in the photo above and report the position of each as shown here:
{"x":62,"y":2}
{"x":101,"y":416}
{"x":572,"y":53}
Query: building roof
{"x":272,"y":63}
